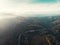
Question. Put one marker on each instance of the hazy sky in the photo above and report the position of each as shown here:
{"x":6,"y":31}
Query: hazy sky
{"x":19,"y":7}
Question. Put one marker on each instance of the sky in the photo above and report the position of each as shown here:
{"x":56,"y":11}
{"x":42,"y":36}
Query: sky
{"x":44,"y":1}
{"x":29,"y":7}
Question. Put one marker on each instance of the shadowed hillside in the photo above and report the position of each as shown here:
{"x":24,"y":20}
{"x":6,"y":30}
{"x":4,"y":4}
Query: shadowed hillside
{"x":37,"y":30}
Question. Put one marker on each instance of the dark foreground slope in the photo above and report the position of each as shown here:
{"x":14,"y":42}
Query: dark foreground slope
{"x":48,"y":26}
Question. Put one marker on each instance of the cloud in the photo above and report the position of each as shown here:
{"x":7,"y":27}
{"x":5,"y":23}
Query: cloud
{"x":13,"y":7}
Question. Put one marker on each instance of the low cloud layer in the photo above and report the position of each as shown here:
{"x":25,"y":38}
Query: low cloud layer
{"x":23,"y":7}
